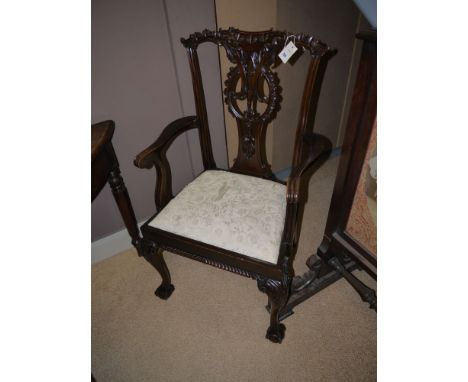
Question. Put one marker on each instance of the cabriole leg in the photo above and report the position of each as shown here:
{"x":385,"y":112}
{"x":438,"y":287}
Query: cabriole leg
{"x":277,"y":292}
{"x":154,"y":256}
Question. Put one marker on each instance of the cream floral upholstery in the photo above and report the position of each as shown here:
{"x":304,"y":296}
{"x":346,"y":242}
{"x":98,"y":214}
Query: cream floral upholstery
{"x":237,"y":212}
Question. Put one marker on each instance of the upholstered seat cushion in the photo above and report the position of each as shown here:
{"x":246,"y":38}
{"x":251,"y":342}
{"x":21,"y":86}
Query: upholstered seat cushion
{"x":236,"y":212}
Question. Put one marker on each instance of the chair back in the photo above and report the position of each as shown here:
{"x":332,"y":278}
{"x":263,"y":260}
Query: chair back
{"x":252,"y":91}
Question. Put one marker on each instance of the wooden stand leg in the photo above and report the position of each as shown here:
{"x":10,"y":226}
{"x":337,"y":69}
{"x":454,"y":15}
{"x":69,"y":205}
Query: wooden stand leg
{"x":319,"y":276}
{"x":277,"y":292}
{"x":367,"y":294}
{"x":154,"y":256}
{"x":125,"y":206}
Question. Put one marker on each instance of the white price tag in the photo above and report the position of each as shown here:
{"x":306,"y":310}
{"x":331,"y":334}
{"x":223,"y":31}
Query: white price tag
{"x":287,"y":52}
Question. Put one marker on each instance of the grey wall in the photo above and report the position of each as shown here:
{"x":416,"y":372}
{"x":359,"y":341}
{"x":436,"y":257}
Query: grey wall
{"x":141,"y":80}
{"x":369,"y":10}
{"x":334,"y":22}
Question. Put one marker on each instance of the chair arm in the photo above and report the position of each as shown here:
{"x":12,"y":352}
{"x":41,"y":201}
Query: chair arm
{"x":315,"y":148}
{"x":146,"y":158}
{"x":155,"y":155}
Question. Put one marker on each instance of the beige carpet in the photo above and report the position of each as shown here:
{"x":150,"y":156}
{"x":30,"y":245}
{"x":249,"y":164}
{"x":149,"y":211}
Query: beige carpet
{"x":213,"y":326}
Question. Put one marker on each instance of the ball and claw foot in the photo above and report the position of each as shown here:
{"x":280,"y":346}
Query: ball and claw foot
{"x":276,"y":334}
{"x":164,"y":292}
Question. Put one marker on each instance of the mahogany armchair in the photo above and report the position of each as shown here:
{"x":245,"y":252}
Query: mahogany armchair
{"x":243,"y":220}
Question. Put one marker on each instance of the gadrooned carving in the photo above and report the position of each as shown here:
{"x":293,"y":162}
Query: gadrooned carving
{"x":213,"y":263}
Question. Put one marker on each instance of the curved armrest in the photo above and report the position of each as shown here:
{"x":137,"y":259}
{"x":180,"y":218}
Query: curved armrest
{"x":155,"y":155}
{"x":146,"y":158}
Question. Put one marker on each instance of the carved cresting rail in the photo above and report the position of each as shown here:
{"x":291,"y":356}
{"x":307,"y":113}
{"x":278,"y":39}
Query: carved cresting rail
{"x":254,"y":54}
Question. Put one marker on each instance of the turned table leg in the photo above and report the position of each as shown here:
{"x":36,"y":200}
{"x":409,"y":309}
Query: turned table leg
{"x":119,"y":190}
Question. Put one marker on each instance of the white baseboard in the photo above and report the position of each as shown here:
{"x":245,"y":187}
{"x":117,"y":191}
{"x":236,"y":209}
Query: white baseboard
{"x":111,"y":245}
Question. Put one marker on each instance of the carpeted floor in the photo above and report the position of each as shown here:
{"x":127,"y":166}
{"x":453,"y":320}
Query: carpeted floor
{"x":213,"y":326}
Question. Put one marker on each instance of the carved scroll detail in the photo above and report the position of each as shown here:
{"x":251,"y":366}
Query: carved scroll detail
{"x":232,"y":35}
{"x":252,"y":82}
{"x":275,"y":289}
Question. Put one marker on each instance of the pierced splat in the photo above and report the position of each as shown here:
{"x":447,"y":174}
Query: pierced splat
{"x":253,"y":74}
{"x":252,"y":91}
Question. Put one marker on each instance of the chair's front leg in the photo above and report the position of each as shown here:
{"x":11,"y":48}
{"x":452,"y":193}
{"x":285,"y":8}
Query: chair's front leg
{"x":154,"y":256}
{"x":278,"y":293}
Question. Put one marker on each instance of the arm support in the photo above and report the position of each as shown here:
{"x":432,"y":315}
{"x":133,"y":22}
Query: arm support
{"x":316,"y":149}
{"x":155,"y":155}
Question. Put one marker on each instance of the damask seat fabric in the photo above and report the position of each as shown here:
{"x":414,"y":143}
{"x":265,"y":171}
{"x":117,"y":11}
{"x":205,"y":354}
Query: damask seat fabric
{"x":240,"y":213}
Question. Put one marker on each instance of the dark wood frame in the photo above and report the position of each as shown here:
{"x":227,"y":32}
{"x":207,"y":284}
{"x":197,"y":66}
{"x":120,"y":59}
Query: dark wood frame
{"x":253,"y":54}
{"x":338,"y":244}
